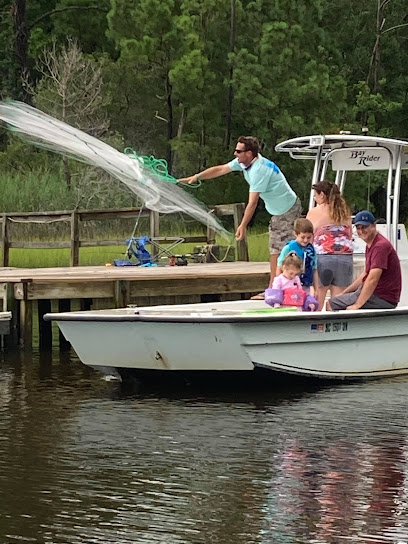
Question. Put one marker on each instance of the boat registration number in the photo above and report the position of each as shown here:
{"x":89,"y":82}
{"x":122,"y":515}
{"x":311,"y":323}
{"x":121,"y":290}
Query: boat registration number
{"x":329,"y":326}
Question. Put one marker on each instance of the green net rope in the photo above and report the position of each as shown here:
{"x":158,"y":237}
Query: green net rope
{"x":158,"y":167}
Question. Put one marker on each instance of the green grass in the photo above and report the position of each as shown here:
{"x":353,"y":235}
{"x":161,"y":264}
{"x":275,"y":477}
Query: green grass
{"x":258,"y":246}
{"x":99,"y":256}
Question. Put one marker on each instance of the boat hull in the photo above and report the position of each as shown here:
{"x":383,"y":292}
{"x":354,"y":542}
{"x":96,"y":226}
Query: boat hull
{"x":335,"y":345}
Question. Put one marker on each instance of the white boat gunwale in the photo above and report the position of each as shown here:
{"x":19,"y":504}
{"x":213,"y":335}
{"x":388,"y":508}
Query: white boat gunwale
{"x":235,"y":318}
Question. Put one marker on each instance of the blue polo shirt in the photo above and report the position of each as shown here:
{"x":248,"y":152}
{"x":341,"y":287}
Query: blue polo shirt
{"x":265,"y":178}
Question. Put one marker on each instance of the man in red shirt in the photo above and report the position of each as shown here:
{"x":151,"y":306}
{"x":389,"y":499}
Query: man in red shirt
{"x":379,"y":286}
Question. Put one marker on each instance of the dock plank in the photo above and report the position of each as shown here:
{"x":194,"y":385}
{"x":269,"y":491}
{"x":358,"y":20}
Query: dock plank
{"x":104,"y":282}
{"x":95,"y":273}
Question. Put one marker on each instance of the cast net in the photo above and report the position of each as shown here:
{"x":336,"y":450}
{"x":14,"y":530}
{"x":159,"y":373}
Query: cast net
{"x":156,"y":191}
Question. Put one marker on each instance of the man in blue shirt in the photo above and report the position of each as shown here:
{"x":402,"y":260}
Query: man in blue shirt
{"x":267,"y":182}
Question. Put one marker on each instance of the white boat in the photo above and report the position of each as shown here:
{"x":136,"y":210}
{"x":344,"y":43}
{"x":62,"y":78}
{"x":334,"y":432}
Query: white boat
{"x":248,"y":336}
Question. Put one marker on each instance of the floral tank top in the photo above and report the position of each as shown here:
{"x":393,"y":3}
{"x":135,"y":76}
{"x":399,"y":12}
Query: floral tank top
{"x":333,"y":240}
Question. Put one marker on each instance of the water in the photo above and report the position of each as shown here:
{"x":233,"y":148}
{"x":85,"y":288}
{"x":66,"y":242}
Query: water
{"x":83,"y":460}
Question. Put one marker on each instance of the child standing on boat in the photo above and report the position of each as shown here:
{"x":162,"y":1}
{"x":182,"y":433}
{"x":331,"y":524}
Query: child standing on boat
{"x":302,"y":246}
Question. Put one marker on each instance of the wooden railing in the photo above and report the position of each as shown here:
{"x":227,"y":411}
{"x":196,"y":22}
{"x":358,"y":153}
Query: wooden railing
{"x":77,"y":216}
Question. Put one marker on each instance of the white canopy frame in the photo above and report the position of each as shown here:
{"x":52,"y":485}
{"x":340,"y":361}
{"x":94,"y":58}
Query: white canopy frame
{"x":363,"y":153}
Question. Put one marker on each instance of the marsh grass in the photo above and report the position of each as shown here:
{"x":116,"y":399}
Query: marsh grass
{"x":34,"y":192}
{"x":99,"y":256}
{"x":258,"y":246}
{"x":44,"y":189}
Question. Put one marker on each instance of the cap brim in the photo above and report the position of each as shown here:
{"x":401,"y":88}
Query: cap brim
{"x":364,"y":223}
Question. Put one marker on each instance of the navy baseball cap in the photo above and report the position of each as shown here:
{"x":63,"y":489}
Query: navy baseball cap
{"x":364,"y":218}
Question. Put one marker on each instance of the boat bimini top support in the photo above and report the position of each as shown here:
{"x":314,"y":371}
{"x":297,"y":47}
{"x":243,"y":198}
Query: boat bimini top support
{"x":348,"y":153}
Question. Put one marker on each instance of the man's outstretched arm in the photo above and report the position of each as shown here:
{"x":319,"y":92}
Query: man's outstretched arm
{"x":209,"y":173}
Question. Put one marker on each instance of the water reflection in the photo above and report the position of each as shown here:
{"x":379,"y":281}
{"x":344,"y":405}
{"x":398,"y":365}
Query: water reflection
{"x":83,"y":460}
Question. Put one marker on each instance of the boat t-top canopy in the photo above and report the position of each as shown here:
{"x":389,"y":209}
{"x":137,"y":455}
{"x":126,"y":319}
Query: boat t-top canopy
{"x":351,"y":152}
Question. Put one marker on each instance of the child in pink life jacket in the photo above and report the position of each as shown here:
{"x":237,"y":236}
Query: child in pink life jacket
{"x":287,"y":288}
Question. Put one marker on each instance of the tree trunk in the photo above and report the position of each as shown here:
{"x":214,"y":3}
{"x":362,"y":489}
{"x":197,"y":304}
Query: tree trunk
{"x":67,"y":172}
{"x":21,"y":34}
{"x":230,"y":97}
{"x":180,"y":130}
{"x":377,"y":47}
{"x":373,"y":76}
{"x":170,"y":122}
{"x":203,"y":141}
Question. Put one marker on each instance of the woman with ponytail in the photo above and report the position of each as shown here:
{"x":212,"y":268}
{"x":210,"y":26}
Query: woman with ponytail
{"x":331,"y":221}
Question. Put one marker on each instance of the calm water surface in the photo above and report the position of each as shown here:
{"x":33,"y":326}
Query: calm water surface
{"x":83,"y":460}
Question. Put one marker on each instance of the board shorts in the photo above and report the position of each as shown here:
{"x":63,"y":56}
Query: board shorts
{"x":281,"y":227}
{"x":335,"y":270}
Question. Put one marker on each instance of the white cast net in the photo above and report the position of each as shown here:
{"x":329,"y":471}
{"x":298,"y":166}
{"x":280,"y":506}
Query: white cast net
{"x":156,"y":194}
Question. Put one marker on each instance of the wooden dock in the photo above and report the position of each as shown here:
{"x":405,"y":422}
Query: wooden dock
{"x":30,"y":293}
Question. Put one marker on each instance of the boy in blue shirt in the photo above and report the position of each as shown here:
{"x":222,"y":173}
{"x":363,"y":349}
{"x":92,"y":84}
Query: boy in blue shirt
{"x":303,"y":247}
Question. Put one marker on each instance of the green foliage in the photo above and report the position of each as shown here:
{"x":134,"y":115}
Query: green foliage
{"x":22,"y":159}
{"x":133,"y":105}
{"x":85,"y":22}
{"x":292,"y":88}
{"x":7,"y":65}
{"x":177,"y":73}
{"x":376,"y":108}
